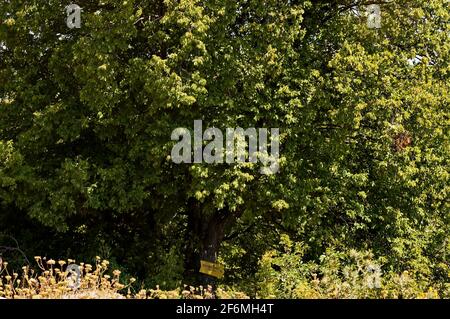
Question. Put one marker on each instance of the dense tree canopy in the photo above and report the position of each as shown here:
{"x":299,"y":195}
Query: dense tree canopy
{"x":86,"y":116}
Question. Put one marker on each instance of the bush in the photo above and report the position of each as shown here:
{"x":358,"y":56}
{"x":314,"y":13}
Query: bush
{"x":352,"y":274}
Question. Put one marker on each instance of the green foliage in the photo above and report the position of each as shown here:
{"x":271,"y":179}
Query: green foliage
{"x":355,"y":274}
{"x":86,"y":117}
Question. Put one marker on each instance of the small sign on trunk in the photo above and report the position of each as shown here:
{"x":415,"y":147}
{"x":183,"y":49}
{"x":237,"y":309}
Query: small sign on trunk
{"x":211,"y":269}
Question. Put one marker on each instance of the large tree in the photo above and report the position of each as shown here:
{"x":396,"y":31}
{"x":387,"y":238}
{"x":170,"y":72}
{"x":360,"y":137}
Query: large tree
{"x":86,"y":117}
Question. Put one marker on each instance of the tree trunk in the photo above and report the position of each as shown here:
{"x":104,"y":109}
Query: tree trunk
{"x":205,"y":235}
{"x":210,"y":243}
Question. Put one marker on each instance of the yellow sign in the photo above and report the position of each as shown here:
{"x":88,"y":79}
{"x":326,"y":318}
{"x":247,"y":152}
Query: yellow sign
{"x":211,"y":269}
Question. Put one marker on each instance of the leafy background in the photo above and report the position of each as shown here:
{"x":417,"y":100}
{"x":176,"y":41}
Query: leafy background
{"x":86,"y":117}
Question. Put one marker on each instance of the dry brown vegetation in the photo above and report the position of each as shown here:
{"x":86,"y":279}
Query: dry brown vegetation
{"x":54,"y":281}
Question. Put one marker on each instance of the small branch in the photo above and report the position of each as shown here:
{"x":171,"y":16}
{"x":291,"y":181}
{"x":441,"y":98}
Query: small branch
{"x":17,"y":248}
{"x":238,"y":233}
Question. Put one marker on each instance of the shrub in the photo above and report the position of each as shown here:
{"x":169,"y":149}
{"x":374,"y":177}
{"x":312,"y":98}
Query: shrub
{"x":352,"y":274}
